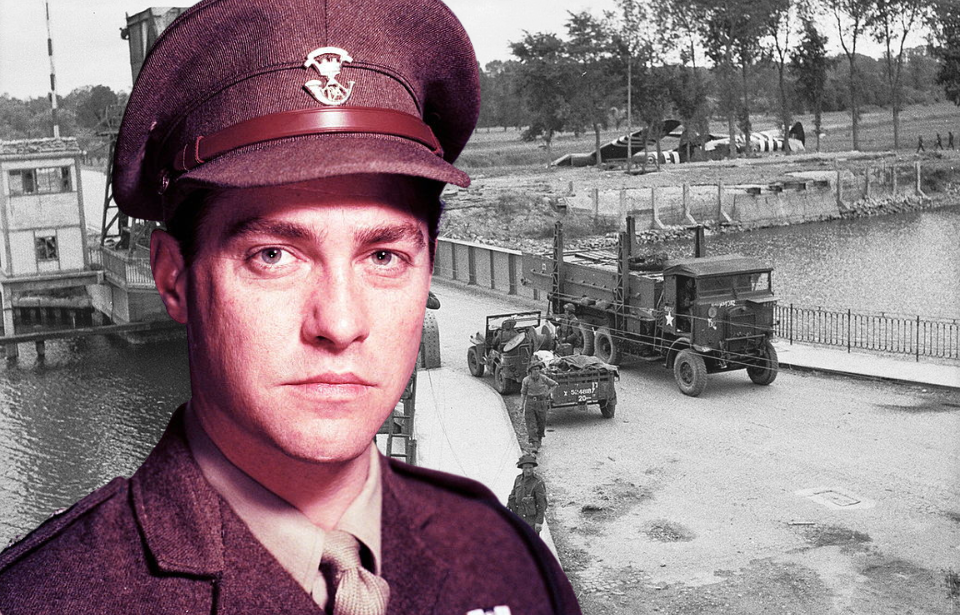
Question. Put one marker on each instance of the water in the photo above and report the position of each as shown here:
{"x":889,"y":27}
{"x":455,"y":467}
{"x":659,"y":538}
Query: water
{"x":91,"y":411}
{"x":904,"y":264}
{"x":95,"y":408}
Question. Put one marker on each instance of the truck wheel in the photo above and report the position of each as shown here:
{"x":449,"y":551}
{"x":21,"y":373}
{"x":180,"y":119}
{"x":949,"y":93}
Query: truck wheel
{"x":765,"y":371}
{"x":501,"y":383}
{"x":608,"y":407}
{"x":587,"y":334}
{"x":690,"y":372}
{"x":474,"y":362}
{"x":606,"y":347}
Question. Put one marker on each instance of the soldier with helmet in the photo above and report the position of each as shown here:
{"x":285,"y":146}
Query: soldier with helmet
{"x":295,"y":151}
{"x":536,"y":393}
{"x":528,"y":500}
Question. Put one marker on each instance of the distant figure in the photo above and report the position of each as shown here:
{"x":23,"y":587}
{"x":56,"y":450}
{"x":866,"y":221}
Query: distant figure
{"x":528,"y":500}
{"x":950,"y":139}
{"x":920,"y":147}
{"x":939,"y":143}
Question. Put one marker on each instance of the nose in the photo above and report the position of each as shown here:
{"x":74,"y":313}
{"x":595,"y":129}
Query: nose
{"x":336,"y":313}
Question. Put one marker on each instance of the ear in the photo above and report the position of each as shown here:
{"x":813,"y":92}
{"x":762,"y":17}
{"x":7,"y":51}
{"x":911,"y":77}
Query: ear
{"x":169,"y":274}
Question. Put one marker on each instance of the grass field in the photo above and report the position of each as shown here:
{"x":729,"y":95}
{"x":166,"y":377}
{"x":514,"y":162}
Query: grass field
{"x":496,"y":151}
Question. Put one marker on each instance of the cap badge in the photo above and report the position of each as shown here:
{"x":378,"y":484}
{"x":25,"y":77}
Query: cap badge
{"x":327,"y":61}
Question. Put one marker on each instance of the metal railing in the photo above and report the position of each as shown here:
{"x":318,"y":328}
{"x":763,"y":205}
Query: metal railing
{"x":122,"y":268}
{"x":885,"y":333}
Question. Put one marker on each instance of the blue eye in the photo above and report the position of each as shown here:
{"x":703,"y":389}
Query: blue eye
{"x":383,"y":257}
{"x":271,"y":256}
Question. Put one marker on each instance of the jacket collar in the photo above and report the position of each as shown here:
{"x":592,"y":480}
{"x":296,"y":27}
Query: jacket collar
{"x":406,"y":519}
{"x":182,"y":525}
{"x":177,"y":510}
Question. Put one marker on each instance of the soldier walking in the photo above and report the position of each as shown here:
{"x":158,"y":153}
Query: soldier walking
{"x":528,"y":500}
{"x":950,"y":139}
{"x":939,"y":143}
{"x":536,"y":391}
{"x":920,"y":147}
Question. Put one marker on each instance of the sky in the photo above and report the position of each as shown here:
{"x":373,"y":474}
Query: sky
{"x":88,"y":49}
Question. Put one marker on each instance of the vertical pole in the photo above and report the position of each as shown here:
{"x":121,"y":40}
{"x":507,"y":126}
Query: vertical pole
{"x":512,"y":266}
{"x":629,"y":110}
{"x":6,"y":299}
{"x":866,"y":185}
{"x":596,"y":203}
{"x":790,"y":326}
{"x":471,"y":265}
{"x":849,"y":341}
{"x":631,"y":232}
{"x":918,"y":189}
{"x":893,"y":174}
{"x":918,"y":322}
{"x":53,"y":77}
{"x":839,"y":191}
{"x":623,"y":203}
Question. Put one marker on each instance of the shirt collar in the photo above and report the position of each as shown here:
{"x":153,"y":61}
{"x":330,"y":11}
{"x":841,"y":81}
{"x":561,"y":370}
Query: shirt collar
{"x":282,"y":529}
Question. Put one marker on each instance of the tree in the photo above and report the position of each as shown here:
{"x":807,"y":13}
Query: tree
{"x":810,"y":64}
{"x":780,"y":28}
{"x":689,"y":94}
{"x":543,"y":78}
{"x":852,"y":19}
{"x":944,"y":24}
{"x":589,"y":49}
{"x":890,"y":22}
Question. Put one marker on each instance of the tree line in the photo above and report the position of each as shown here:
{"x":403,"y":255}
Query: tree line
{"x":640,"y":63}
{"x":85,"y":113}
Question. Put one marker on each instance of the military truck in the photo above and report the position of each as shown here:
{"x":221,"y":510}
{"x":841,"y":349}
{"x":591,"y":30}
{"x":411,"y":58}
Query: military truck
{"x":581,"y":381}
{"x":696,"y":316}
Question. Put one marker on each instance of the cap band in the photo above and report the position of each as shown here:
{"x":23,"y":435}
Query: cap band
{"x":306,"y":122}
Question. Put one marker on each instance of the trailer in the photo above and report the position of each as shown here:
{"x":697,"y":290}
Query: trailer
{"x":696,"y":316}
{"x":581,"y":380}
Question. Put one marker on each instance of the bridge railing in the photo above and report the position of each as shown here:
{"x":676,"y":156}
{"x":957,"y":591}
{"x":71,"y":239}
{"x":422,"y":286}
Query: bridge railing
{"x":886,"y":333}
{"x":500,"y":270}
{"x":122,"y":268}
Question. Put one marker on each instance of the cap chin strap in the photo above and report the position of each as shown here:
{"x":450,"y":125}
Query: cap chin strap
{"x":328,"y":120}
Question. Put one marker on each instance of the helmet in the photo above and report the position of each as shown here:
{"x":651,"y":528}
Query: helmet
{"x":527,"y":458}
{"x":568,"y":307}
{"x":509,"y":323}
{"x":533,"y":365}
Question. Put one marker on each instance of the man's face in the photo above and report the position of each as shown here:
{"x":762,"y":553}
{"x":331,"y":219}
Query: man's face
{"x":305,"y":308}
{"x":535,"y":373}
{"x":527,"y":469}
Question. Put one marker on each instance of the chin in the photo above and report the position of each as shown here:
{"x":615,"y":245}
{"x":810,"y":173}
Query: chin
{"x":327,"y":444}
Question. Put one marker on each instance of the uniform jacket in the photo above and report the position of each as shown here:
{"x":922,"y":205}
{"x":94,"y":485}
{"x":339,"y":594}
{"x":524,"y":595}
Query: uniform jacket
{"x":164,"y":542}
{"x":528,"y":498}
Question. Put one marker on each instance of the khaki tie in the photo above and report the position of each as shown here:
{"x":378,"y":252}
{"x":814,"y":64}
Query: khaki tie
{"x":357,"y":590}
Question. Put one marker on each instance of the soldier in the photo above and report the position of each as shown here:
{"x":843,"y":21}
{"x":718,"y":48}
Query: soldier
{"x":505,"y":333}
{"x":920,"y":147}
{"x":536,"y":391}
{"x":528,"y":500}
{"x":939,"y":143}
{"x":569,"y":330}
{"x":950,"y":139}
{"x":296,"y":151}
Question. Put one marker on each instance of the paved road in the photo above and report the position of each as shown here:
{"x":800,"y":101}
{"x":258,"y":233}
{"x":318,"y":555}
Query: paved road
{"x":817,"y":494}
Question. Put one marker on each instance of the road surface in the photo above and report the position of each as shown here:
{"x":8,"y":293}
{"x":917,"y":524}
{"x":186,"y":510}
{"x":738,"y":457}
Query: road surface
{"x":817,"y":494}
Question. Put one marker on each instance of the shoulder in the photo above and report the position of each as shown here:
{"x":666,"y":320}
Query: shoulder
{"x":72,"y":548}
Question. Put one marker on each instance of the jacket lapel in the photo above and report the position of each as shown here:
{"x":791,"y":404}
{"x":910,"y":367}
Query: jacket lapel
{"x":178,"y":512}
{"x":415,"y":576}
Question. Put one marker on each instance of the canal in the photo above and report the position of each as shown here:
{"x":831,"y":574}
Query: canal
{"x":95,"y":407}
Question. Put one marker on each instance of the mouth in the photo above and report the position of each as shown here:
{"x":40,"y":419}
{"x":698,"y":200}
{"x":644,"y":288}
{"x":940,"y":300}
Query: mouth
{"x":333,"y":387}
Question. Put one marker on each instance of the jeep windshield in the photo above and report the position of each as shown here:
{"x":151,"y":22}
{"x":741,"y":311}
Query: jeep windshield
{"x":734,"y":284}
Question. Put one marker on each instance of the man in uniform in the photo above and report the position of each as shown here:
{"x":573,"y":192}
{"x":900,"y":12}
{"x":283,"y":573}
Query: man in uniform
{"x":536,"y":391}
{"x":296,"y":151}
{"x":528,"y":500}
{"x":505,"y":333}
{"x":569,"y":330}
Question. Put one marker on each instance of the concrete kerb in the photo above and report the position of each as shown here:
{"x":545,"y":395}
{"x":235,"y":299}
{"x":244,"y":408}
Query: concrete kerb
{"x":806,"y":358}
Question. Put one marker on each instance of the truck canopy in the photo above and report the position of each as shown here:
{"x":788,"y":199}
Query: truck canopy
{"x":715,"y":265}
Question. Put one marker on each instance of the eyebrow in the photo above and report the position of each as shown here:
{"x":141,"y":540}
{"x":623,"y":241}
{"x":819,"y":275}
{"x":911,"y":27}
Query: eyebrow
{"x":388,"y":233}
{"x":260,"y":226}
{"x":385,"y":233}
